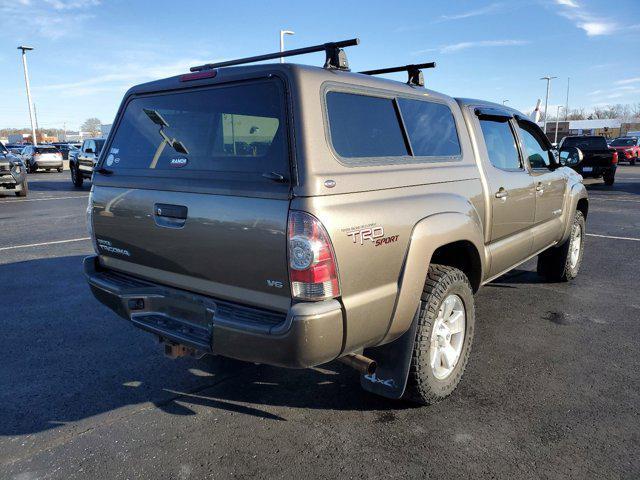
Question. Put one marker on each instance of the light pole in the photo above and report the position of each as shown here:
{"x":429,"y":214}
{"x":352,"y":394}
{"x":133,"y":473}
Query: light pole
{"x":282,"y":34}
{"x":557,"y":119}
{"x":546,"y":100}
{"x":566,"y":107}
{"x":504,"y":102}
{"x":26,"y":81}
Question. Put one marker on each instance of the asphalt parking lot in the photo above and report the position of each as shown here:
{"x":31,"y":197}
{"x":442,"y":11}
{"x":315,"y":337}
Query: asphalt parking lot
{"x":552,"y":389}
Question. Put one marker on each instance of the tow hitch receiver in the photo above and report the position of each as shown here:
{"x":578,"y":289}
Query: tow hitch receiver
{"x":174,"y":350}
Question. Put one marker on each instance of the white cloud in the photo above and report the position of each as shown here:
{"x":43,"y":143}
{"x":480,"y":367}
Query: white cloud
{"x":598,"y":28}
{"x":627,"y":81}
{"x":49,"y":19}
{"x":122,"y":76}
{"x":568,"y":3}
{"x":491,"y":8}
{"x":72,"y":4}
{"x":457,"y":47}
{"x":593,"y":25}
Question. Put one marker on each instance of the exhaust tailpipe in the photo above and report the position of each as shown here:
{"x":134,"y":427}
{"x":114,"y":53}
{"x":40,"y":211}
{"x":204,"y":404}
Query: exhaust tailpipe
{"x":362,"y":364}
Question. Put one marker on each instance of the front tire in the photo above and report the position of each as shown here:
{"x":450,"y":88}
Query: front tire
{"x":562,"y":263}
{"x":25,"y":189}
{"x":446,"y":321}
{"x":76,"y":176}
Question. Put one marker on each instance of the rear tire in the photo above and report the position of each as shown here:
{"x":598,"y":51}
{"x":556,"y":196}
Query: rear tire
{"x":632,"y":161}
{"x":60,"y":169}
{"x":76,"y":176}
{"x":33,"y":168}
{"x":24,"y":191}
{"x":609,"y":178}
{"x":443,"y":341}
{"x":562,"y":263}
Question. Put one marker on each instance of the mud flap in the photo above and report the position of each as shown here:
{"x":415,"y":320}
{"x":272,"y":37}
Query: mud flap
{"x":394,"y":361}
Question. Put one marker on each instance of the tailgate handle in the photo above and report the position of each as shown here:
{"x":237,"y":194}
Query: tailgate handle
{"x":170,"y":211}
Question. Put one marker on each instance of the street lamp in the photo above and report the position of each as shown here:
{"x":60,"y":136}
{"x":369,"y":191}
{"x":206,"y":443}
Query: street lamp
{"x":24,"y":49}
{"x":504,"y":102}
{"x":282,"y":34}
{"x":546,"y":100}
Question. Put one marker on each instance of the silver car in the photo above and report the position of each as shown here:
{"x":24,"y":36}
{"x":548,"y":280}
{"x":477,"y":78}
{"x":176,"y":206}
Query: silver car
{"x":41,"y":156}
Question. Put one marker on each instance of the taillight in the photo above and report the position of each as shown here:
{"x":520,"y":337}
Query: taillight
{"x":90,"y":222}
{"x":614,"y":160}
{"x":312,"y":263}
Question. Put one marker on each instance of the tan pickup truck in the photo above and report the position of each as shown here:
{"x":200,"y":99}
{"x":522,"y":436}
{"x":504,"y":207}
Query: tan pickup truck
{"x":294,"y":215}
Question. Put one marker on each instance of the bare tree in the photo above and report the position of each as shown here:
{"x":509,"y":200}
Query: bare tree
{"x":91,"y":125}
{"x":577,"y":114}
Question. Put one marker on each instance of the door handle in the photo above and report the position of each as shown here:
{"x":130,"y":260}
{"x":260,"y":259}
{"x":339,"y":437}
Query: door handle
{"x":502,"y":193}
{"x":170,"y":216}
{"x":179,"y":212}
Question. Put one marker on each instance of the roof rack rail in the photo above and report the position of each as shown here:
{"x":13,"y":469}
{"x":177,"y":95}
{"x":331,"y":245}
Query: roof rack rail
{"x":336,"y":58}
{"x":415,"y":74}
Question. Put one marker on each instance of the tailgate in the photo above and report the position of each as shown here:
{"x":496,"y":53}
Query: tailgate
{"x":196,"y":192}
{"x":597,"y":159}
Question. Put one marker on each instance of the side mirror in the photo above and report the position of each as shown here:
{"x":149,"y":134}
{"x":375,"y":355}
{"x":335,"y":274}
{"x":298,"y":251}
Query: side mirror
{"x":570,"y":156}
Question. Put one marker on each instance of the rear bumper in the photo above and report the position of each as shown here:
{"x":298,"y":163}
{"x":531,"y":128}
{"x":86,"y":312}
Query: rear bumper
{"x":596,"y":171}
{"x":48,"y":163}
{"x":308,"y":334}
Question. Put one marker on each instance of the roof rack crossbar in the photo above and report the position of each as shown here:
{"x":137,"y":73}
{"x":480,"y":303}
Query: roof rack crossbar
{"x":414,"y":71}
{"x":336,"y":58}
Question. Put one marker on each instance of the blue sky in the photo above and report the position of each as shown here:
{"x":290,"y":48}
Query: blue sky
{"x":88,"y":52}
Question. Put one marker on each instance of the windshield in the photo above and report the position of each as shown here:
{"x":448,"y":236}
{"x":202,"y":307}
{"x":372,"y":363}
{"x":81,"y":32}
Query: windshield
{"x":238,"y":128}
{"x":3,"y":148}
{"x":586,"y":143}
{"x":46,"y":150}
{"x":624,"y":142}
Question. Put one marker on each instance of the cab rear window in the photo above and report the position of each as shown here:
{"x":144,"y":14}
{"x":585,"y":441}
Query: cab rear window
{"x":237,"y":128}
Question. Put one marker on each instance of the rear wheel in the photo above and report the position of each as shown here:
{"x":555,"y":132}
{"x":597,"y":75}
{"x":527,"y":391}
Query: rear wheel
{"x":609,"y":178}
{"x":33,"y":167}
{"x":562,"y":263}
{"x":59,"y":169}
{"x":446,"y":320}
{"x":76,"y":176}
{"x":632,"y":161}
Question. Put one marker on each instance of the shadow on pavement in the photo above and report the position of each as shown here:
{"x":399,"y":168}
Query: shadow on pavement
{"x":38,"y":182}
{"x":620,"y":186}
{"x":67,"y":358}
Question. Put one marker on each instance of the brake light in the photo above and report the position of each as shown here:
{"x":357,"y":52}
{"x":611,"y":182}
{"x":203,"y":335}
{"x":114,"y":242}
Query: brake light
{"x":614,"y":160}
{"x":313,"y":271}
{"x":189,"y":77}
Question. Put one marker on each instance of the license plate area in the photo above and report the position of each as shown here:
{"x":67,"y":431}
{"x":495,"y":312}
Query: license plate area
{"x":587,"y":169}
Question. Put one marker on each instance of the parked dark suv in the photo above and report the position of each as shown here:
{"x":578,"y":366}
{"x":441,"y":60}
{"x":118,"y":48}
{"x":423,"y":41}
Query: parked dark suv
{"x":83,"y":160}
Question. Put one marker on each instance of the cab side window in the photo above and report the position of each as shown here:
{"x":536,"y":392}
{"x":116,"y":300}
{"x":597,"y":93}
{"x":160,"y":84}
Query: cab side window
{"x":536,"y":152}
{"x":501,"y":144}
